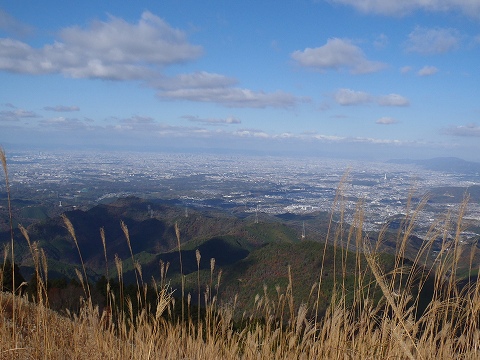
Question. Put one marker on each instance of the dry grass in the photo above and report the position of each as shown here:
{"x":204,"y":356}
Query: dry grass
{"x":393,"y":328}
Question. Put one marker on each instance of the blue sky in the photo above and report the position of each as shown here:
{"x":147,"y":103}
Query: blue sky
{"x":351,"y":78}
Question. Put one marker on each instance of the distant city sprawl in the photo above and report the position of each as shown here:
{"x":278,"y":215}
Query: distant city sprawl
{"x":249,"y":184}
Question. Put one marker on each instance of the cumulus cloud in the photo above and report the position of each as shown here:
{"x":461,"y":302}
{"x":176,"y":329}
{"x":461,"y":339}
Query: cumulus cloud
{"x":61,"y":108}
{"x":233,"y":97}
{"x":137,"y":123}
{"x":347,"y":97}
{"x":138,"y":119}
{"x":337,"y":54}
{"x":432,"y":41}
{"x":252,"y":133}
{"x":114,"y":49}
{"x":197,"y":80}
{"x":427,"y":71}
{"x":469,"y":130}
{"x":396,"y":7}
{"x":393,"y":100}
{"x":405,"y":69}
{"x":323,"y":138}
{"x":351,"y":97}
{"x":303,"y":137}
{"x":386,"y":121}
{"x":147,"y":127}
{"x":213,"y":121}
{"x":17,"y":114}
{"x":360,"y":140}
{"x":118,"y":50}
{"x":203,"y":86}
{"x":210,"y":87}
{"x":62,"y":123}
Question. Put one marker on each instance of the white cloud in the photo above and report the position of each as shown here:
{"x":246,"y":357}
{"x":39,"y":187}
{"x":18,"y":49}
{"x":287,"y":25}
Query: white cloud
{"x":432,"y":41}
{"x":402,"y":7}
{"x":137,"y":119}
{"x":251,"y":133}
{"x":138,"y":123}
{"x":197,"y":80}
{"x":380,"y":141}
{"x":360,"y":140}
{"x":61,"y":123}
{"x":286,"y":135}
{"x":152,"y":41}
{"x":210,"y":87}
{"x":386,"y":121}
{"x":427,"y":71}
{"x":213,"y":121}
{"x":118,"y":50}
{"x":232,"y":120}
{"x":114,"y":49}
{"x":469,"y":130}
{"x":61,"y":108}
{"x":152,"y":133}
{"x":147,"y":127}
{"x":406,"y":69}
{"x":329,"y":138}
{"x":346,"y":97}
{"x":337,"y":54}
{"x":351,"y":97}
{"x":393,"y":100}
{"x":17,"y":114}
{"x":305,"y":137}
{"x":233,"y":97}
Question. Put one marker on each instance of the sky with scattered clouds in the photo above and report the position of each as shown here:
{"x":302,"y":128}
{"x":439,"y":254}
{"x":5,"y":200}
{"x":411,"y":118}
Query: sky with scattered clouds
{"x":372,"y":79}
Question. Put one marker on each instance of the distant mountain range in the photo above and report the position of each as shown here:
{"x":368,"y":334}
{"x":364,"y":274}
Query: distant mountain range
{"x":151,"y":228}
{"x":446,"y":164}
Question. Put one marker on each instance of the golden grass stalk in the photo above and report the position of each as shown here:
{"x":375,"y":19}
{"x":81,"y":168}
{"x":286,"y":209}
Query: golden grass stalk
{"x":338,"y":195}
{"x":40,"y":266}
{"x":198,"y":257}
{"x":71,"y":231}
{"x":177,"y":233}
{"x":390,"y":297}
{"x":119,"y":267}
{"x":3,"y":159}
{"x":127,"y":237}
{"x":104,"y":244}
